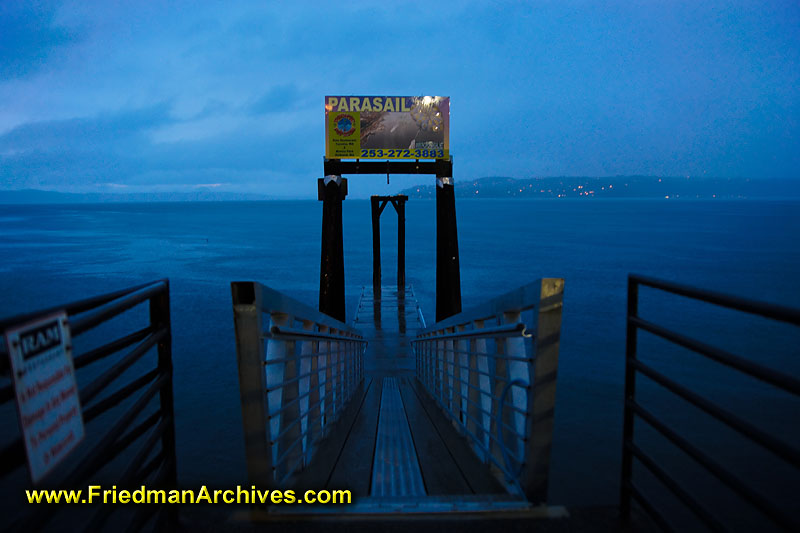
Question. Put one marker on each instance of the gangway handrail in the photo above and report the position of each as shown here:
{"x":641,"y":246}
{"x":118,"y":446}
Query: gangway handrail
{"x":492,"y":369}
{"x":136,"y":428}
{"x":298,"y":369}
{"x":633,"y":408}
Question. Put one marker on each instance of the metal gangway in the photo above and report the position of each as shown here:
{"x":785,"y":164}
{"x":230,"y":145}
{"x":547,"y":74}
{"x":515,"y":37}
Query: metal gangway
{"x":454,"y":418}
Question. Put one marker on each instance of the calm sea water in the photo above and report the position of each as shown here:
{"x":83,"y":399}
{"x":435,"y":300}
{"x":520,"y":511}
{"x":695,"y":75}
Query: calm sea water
{"x":53,"y":254}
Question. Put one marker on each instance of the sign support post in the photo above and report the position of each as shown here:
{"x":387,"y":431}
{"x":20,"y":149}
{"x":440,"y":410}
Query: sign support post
{"x":332,"y":190}
{"x":448,"y":271}
{"x":389,"y":135}
{"x":378,"y":204}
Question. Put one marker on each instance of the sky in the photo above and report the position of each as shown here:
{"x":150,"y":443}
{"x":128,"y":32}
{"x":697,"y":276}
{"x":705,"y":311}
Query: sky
{"x":115,"y":96}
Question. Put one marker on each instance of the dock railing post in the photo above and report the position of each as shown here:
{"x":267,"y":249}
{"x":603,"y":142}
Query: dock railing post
{"x":630,"y":389}
{"x":542,"y":391}
{"x":251,"y":355}
{"x":332,"y":190}
{"x":160,"y":318}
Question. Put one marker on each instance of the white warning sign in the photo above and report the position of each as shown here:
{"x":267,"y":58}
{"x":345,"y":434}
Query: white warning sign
{"x":47,"y":394}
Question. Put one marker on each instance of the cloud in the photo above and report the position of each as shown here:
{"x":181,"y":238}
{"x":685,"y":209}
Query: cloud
{"x":153,"y":94}
{"x":279,"y":98}
{"x":29,"y":37}
{"x":86,"y":133}
{"x":123,"y":148}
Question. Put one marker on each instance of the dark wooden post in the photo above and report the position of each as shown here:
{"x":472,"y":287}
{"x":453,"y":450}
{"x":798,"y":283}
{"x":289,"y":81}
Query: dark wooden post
{"x":448,"y":273}
{"x":332,"y":191}
{"x":400,"y":207}
{"x":376,"y":246}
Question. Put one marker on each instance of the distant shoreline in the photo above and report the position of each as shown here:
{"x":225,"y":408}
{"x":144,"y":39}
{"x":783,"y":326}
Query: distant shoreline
{"x":559,"y":188}
{"x":619,"y":187}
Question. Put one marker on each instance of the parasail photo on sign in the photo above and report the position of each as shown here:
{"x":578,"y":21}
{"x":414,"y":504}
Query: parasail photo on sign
{"x":390,"y":127}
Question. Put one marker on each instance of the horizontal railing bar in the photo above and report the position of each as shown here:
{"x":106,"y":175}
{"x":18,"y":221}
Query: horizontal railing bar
{"x":479,"y":423}
{"x":286,"y":382}
{"x":305,"y":433}
{"x":137,"y":431}
{"x":768,"y":375}
{"x":488,"y":374}
{"x":648,"y":506}
{"x":303,"y":356}
{"x":302,"y":334}
{"x":488,"y":432}
{"x":112,"y":347}
{"x":497,"y":331}
{"x":95,"y":387}
{"x":95,"y":462}
{"x":491,"y":395}
{"x":149,"y":468}
{"x":773,"y":311}
{"x":490,"y":456}
{"x":144,"y":450}
{"x":128,"y":476}
{"x":496,"y":419}
{"x":300,"y":397}
{"x":297,"y":420}
{"x":519,"y":300}
{"x":291,"y":470}
{"x":93,"y":318}
{"x":338,"y":368}
{"x":497,"y":356}
{"x":733,"y":482}
{"x":93,"y":411}
{"x":288,"y":449}
{"x":779,"y":448}
{"x":74,"y":308}
{"x":676,"y":489}
{"x":104,"y":447}
{"x":307,"y":412}
{"x":144,"y":512}
{"x":274,"y":302}
{"x":13,"y":455}
{"x":126,"y":440}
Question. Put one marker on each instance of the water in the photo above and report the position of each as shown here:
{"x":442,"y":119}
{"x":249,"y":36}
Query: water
{"x":53,"y":254}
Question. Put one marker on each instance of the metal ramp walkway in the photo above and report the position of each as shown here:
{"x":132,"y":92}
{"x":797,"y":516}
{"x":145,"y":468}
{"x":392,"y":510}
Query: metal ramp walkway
{"x":412,"y":420}
{"x":397,"y":444}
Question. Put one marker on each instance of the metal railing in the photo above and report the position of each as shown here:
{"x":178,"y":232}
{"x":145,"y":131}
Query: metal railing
{"x":492,"y":370}
{"x":297,"y":370}
{"x":137,"y":422}
{"x":633,"y":408}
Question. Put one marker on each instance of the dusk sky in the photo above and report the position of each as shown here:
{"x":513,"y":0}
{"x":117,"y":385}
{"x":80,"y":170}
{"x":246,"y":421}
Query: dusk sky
{"x":184,"y":96}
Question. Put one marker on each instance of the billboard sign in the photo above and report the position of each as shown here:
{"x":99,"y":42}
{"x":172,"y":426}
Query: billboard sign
{"x":387,"y":127}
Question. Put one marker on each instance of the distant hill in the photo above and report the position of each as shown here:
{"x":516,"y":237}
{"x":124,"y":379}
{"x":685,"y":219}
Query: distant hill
{"x":35,"y":196}
{"x":616,"y":187}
